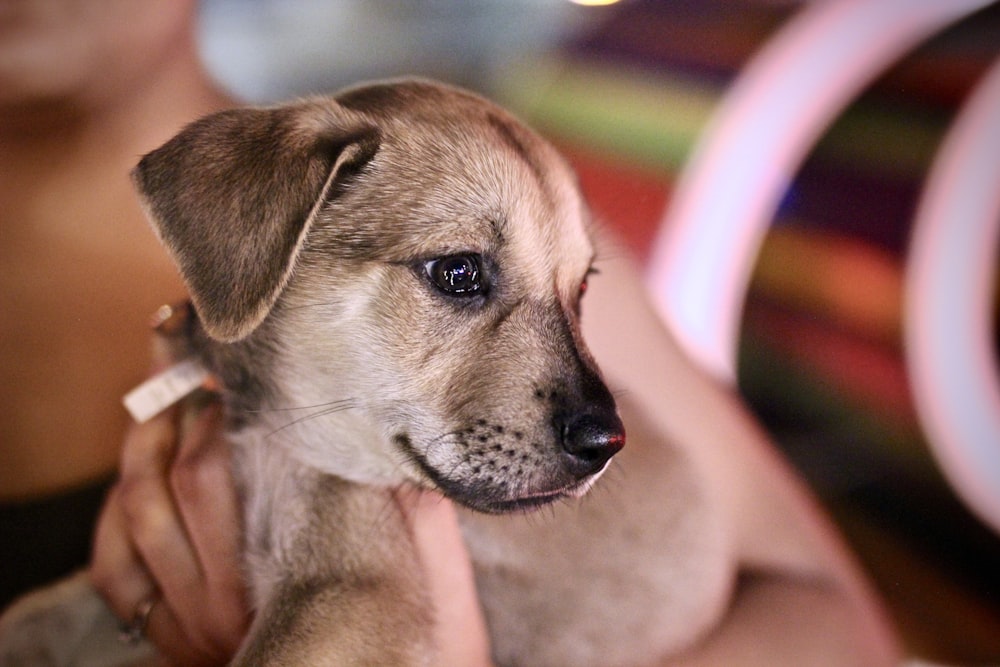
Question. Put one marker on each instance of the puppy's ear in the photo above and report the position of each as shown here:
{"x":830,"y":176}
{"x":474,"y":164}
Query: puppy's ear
{"x":234,"y":194}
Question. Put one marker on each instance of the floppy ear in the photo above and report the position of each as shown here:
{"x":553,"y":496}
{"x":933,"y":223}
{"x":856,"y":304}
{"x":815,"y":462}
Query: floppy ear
{"x":234,"y":194}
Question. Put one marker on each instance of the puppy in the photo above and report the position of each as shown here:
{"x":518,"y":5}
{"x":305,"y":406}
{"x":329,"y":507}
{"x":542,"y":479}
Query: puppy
{"x":388,"y":288}
{"x":388,"y":284}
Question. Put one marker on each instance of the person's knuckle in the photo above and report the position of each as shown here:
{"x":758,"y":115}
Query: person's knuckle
{"x":134,"y":493}
{"x":193,"y":476}
{"x":141,"y":502}
{"x":102,"y":577}
{"x":204,"y":639}
{"x":147,"y":446}
{"x":234,"y":617}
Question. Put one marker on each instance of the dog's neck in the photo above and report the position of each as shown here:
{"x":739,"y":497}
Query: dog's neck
{"x":277,"y":481}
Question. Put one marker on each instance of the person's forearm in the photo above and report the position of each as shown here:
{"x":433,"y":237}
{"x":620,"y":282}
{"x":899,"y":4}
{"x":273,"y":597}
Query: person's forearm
{"x":777,"y":620}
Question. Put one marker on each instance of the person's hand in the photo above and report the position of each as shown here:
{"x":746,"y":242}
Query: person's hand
{"x":169,"y":533}
{"x":166,"y":551}
{"x":460,"y":629}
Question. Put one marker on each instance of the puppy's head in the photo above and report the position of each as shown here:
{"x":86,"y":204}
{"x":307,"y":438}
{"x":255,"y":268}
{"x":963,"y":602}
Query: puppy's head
{"x":407,"y":262}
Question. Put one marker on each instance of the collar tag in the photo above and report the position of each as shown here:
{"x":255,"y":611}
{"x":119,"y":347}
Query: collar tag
{"x":164,"y":389}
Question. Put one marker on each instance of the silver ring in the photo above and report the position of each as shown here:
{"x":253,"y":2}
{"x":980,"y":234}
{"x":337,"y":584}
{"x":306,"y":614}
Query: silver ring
{"x":135,"y":631}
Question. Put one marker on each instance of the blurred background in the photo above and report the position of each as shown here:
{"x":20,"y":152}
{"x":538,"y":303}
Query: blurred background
{"x":624,"y":90}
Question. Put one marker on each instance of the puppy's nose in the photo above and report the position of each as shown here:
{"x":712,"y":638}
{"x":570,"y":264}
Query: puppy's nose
{"x":591,"y":440}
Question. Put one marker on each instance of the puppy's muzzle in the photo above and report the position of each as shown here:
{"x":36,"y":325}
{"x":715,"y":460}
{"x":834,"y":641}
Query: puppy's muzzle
{"x":589,"y":440}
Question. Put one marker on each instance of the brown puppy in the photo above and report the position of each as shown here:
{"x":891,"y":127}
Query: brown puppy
{"x":389,"y":289}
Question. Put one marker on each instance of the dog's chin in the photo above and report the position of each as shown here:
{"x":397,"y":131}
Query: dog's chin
{"x":491,"y":500}
{"x":532,"y":501}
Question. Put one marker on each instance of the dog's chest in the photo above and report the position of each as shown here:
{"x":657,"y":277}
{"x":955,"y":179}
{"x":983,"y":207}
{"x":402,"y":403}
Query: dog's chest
{"x":276,"y":493}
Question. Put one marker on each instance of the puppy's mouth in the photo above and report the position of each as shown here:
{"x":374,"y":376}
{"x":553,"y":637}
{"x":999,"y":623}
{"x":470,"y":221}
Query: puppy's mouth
{"x":494,"y":499}
{"x":532,"y":501}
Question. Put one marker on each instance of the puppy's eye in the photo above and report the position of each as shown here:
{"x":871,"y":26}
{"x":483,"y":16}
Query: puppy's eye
{"x":457,"y":274}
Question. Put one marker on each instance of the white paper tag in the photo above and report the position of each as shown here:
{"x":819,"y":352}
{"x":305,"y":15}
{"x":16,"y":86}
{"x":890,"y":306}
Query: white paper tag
{"x":164,"y":389}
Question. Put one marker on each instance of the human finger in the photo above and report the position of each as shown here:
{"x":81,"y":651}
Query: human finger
{"x":460,"y":628}
{"x":120,"y":577}
{"x":184,"y":626}
{"x":116,"y":569}
{"x":152,"y":519}
{"x":205,"y":494}
{"x":155,"y":528}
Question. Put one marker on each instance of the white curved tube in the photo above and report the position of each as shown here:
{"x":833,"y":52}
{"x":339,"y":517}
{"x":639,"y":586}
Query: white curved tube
{"x":950,"y":277}
{"x":773,"y":114}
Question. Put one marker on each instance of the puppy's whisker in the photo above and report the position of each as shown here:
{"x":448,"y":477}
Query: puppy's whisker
{"x":316,"y":304}
{"x":441,"y":438}
{"x":605,"y":256}
{"x":383,"y":516}
{"x":450,"y":473}
{"x":338,"y":406}
{"x":445,"y":439}
{"x":343,"y":401}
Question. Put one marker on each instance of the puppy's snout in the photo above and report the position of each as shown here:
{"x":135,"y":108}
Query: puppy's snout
{"x":590,"y":440}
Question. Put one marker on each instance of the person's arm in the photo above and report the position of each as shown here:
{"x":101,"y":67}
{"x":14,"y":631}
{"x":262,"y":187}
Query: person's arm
{"x":800,"y":598}
{"x":776,"y":619}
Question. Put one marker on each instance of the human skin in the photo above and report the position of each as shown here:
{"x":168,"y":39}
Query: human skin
{"x":81,"y":97}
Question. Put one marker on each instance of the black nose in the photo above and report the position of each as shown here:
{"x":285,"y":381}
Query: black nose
{"x":590,"y":440}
